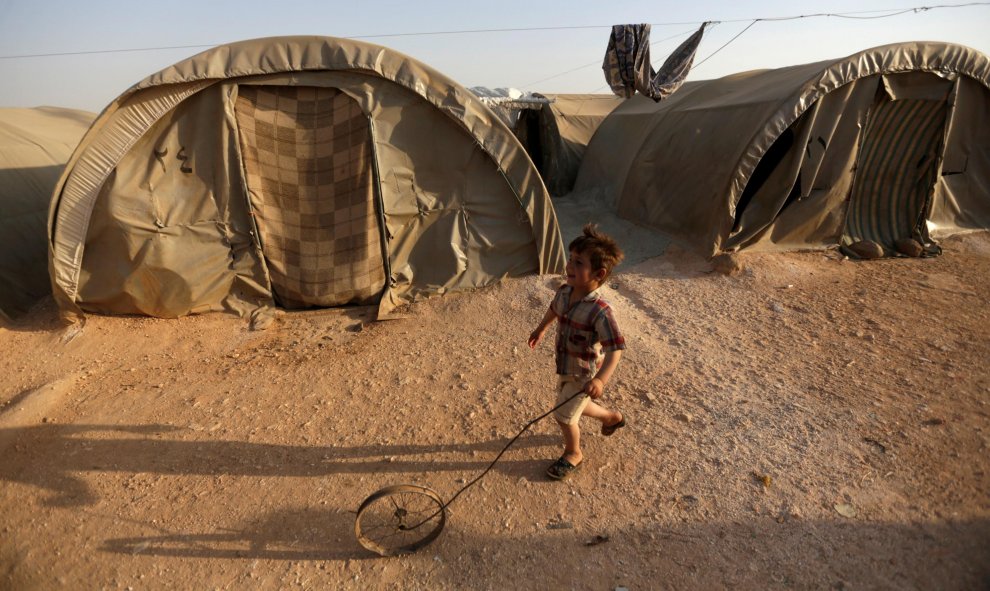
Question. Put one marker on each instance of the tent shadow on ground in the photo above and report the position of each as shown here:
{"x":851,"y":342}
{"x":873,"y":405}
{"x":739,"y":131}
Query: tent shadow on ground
{"x":301,"y":534}
{"x":795,"y":554}
{"x":80,"y":454}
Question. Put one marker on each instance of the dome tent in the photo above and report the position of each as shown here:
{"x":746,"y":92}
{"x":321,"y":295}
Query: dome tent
{"x":302,"y":171}
{"x":35,"y":144}
{"x":887,"y":143}
{"x":556,"y":134}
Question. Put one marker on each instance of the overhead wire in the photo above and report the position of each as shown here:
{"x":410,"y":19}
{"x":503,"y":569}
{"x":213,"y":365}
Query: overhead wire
{"x":886,"y":13}
{"x":599,"y":61}
{"x":850,"y":15}
{"x":134,"y":49}
{"x":739,"y":34}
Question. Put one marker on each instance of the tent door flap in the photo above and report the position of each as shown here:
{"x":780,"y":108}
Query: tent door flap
{"x":896,"y":172}
{"x":308,"y":165}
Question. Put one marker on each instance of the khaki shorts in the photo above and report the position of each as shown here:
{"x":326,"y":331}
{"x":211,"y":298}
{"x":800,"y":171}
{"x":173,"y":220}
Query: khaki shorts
{"x":567,"y":386}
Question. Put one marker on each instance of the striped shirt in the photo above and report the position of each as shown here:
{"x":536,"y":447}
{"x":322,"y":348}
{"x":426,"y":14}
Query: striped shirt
{"x":586,"y":329}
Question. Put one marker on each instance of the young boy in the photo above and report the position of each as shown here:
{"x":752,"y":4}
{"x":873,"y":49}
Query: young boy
{"x":589,"y":344}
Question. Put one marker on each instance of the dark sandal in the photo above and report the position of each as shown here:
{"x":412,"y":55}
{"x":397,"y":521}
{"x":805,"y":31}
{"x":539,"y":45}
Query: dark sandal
{"x":608,"y":430}
{"x":562,"y":469}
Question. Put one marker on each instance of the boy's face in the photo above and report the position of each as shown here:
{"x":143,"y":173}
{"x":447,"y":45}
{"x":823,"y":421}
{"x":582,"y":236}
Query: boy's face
{"x":580,"y":273}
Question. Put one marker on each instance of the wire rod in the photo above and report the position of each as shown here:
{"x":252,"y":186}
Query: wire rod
{"x":851,"y":15}
{"x":495,"y":461}
{"x":599,"y":61}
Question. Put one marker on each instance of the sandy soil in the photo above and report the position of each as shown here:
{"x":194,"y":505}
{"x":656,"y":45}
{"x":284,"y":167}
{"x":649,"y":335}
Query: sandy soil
{"x":808,"y":423}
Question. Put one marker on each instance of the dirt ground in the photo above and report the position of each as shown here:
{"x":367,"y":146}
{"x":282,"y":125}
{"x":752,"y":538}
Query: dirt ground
{"x":808,"y":423}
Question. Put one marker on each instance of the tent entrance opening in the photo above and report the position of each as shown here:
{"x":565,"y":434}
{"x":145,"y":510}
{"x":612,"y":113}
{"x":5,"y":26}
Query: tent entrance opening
{"x":896,"y":172}
{"x":307,"y":157}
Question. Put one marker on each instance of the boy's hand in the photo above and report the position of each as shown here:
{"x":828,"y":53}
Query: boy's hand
{"x":534,"y":338}
{"x":594,"y":388}
{"x":537,"y":335}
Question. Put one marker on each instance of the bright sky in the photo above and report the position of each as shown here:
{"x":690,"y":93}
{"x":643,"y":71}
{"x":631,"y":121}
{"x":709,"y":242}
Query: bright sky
{"x":528,"y":60}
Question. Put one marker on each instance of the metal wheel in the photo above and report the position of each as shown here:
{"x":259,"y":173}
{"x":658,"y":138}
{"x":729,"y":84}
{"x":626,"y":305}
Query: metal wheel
{"x":399,"y":519}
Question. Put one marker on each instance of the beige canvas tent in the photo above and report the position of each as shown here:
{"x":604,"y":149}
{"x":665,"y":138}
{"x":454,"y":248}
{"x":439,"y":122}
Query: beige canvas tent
{"x":887,"y":143}
{"x":557,"y":133}
{"x":300,"y":171}
{"x":35,"y":144}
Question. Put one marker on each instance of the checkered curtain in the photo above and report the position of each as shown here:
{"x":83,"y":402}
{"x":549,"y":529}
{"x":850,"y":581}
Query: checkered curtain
{"x":307,"y":159}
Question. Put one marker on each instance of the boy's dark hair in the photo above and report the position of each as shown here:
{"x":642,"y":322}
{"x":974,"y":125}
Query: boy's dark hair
{"x":600,"y":248}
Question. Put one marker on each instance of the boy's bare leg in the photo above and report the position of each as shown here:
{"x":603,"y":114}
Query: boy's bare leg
{"x":572,"y":442}
{"x":597,"y":411}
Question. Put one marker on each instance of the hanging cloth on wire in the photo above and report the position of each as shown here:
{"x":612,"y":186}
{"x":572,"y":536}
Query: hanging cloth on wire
{"x":627,"y":63}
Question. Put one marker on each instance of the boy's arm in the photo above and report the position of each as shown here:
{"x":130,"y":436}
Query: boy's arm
{"x":537,"y":335}
{"x":596,"y":386}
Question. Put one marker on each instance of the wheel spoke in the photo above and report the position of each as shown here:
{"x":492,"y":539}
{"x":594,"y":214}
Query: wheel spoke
{"x":399,"y":519}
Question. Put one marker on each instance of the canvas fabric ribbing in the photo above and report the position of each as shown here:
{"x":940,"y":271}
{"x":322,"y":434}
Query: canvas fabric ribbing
{"x":896,"y":173}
